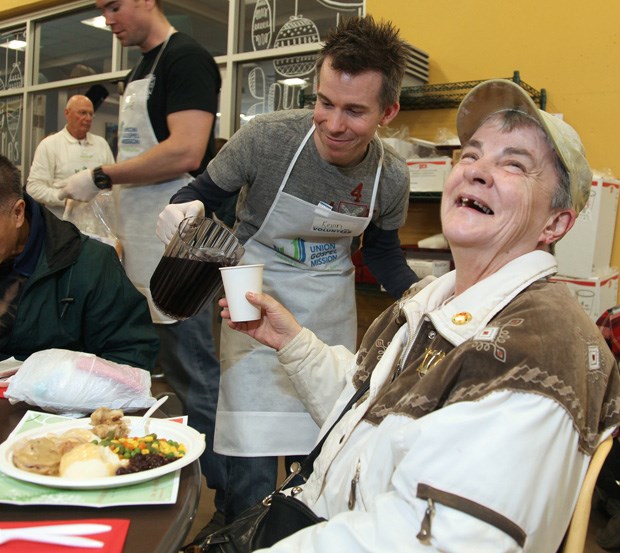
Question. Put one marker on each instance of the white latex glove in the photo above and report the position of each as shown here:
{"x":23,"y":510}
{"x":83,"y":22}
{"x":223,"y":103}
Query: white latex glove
{"x":78,"y":187}
{"x":172,"y":215}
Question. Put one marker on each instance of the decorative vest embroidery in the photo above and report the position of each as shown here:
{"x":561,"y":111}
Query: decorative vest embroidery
{"x":518,"y":350}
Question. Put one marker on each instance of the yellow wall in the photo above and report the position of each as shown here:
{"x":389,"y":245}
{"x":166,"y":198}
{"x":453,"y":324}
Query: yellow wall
{"x":569,"y":47}
{"x":11,"y":8}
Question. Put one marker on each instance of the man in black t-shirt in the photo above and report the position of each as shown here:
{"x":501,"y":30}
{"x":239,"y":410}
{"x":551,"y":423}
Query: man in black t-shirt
{"x":177,"y":64}
{"x":167,"y":117}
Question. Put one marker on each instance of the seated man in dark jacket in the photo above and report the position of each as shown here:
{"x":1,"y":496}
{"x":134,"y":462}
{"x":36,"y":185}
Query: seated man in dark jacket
{"x":61,"y":289}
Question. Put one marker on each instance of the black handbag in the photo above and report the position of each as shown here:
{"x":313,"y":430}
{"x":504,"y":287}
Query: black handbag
{"x":275,"y":517}
{"x":262,"y":525}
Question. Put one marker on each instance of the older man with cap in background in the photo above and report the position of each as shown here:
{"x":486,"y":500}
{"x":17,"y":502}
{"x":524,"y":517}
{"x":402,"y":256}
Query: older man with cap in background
{"x":65,"y":153}
{"x":489,"y":388}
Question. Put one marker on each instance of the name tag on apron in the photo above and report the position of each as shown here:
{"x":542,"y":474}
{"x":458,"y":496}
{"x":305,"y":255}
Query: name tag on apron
{"x":321,"y":224}
{"x":327,"y":221}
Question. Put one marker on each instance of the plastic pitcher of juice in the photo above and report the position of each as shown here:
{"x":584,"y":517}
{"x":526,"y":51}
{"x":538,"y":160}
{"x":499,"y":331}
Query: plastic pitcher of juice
{"x":187,"y":278}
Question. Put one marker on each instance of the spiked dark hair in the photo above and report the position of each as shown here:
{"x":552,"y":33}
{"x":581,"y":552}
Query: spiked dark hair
{"x":359,"y":44}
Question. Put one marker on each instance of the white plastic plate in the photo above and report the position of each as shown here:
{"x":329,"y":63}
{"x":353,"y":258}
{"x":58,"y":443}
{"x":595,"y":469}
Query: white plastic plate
{"x":193,"y":441}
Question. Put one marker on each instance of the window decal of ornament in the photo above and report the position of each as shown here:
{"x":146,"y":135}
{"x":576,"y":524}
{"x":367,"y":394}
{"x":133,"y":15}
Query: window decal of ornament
{"x":11,"y":107}
{"x":296,"y":31}
{"x":13,"y":119}
{"x":342,"y":4}
{"x":262,"y":25}
{"x":256,"y":86}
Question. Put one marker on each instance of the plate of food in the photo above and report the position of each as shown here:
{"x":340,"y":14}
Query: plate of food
{"x":99,"y":452}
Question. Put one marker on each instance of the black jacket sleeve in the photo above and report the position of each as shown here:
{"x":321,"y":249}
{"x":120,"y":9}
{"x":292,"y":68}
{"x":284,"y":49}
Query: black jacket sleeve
{"x":385,"y":259}
{"x":204,"y":189}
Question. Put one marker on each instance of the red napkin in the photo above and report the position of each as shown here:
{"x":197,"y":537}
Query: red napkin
{"x":113,"y":541}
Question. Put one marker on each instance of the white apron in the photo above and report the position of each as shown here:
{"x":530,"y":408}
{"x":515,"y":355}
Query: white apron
{"x":306,"y":250}
{"x":138,"y":206}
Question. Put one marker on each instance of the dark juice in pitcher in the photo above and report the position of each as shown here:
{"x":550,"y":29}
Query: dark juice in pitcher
{"x":181,"y":287}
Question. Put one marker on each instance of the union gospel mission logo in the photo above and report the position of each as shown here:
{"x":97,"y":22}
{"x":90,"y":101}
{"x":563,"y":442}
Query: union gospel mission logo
{"x":314,"y":254}
{"x":130,"y":136}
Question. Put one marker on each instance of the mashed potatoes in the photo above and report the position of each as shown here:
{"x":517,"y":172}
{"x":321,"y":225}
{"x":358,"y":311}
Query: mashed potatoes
{"x":89,"y":460}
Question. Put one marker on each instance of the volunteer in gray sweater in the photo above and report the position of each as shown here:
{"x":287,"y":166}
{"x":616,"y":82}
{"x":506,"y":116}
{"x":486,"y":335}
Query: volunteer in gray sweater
{"x":312,"y":182}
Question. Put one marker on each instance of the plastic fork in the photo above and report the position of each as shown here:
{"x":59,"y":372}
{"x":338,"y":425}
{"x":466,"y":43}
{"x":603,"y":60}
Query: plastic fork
{"x":59,"y":534}
{"x":139,"y":428}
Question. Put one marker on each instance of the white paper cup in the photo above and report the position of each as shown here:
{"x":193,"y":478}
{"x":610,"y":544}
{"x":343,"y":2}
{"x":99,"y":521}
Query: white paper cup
{"x":237,"y":281}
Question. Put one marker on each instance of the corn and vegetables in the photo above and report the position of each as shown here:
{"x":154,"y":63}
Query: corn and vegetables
{"x":126,"y":448}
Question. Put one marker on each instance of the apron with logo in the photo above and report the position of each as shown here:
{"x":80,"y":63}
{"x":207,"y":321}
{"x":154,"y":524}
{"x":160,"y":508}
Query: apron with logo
{"x":306,"y":250}
{"x":138,"y":206}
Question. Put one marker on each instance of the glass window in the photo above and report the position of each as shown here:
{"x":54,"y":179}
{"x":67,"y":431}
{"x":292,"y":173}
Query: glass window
{"x":131,"y":57}
{"x":207,"y":22}
{"x":11,"y":125}
{"x":70,"y":46}
{"x":69,"y":49}
{"x":274,"y":24}
{"x":12,"y":61}
{"x":269,"y":85}
{"x":48,"y":110}
{"x":12,"y":58}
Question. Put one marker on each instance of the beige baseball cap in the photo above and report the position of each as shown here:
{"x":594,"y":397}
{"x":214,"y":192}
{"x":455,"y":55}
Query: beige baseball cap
{"x":496,"y":95}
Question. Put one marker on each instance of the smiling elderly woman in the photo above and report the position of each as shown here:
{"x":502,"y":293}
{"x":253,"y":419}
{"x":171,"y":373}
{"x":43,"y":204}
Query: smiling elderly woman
{"x":490,"y":387}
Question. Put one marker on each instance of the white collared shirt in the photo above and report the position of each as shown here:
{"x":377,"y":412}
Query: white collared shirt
{"x":59,"y":156}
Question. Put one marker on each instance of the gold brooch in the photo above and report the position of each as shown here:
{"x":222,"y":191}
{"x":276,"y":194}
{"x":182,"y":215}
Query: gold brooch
{"x":431,"y":358}
{"x":461,"y":318}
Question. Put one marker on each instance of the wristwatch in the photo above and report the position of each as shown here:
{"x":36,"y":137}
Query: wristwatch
{"x":101,"y":180}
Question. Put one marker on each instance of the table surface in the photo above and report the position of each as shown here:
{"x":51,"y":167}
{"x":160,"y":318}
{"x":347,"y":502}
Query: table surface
{"x":153,"y":528}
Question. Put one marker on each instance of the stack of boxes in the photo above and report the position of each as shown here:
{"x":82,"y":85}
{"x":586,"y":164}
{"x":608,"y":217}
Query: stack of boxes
{"x":424,"y":265}
{"x":584,"y":254}
{"x":429,"y":169}
{"x":428,"y":174}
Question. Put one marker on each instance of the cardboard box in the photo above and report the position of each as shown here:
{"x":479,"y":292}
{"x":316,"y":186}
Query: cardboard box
{"x":586,"y":250}
{"x":425,"y":267}
{"x":428,"y":174}
{"x":595,"y":294}
{"x":403,"y":148}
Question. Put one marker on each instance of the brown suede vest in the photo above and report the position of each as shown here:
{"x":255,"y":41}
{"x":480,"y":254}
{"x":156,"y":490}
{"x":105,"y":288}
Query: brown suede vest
{"x":543,"y":343}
